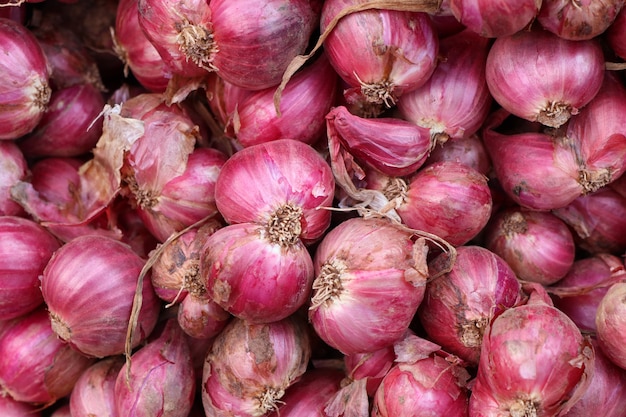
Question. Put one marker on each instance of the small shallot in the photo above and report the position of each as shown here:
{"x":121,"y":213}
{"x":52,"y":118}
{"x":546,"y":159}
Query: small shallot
{"x":468,"y":150}
{"x":495,"y":18}
{"x":578,"y":20}
{"x":610,"y":322}
{"x":13,"y":168}
{"x":94,"y":392}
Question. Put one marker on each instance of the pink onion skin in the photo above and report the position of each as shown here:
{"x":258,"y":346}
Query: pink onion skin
{"x":201,"y":317}
{"x":55,"y":177}
{"x":305,"y":101}
{"x":161,"y":380}
{"x":35,"y":365}
{"x":440,"y":196}
{"x":380,"y":54}
{"x":427,"y":387}
{"x":495,"y":19}
{"x":534,"y":360}
{"x":13,"y":168}
{"x":24,"y":88}
{"x":252,"y":277}
{"x":308,"y":396}
{"x":610,"y":319}
{"x":470,"y":151}
{"x":581,"y":21}
{"x":224,"y":98}
{"x":538,"y":246}
{"x":366,"y":270}
{"x":136,"y":50}
{"x":391,"y":145}
{"x":455,"y":101}
{"x":88,"y":286}
{"x":71,"y":125}
{"x":256,"y":44}
{"x":580,"y":291}
{"x":94,"y":392}
{"x":371,"y":365}
{"x":257,"y":180}
{"x":615,"y":35}
{"x":605,"y":395}
{"x":598,"y":221}
{"x":25,"y":249}
{"x":250,"y":366}
{"x":12,"y":408}
{"x":459,"y":305}
{"x":545,"y":179}
{"x":538,"y":76}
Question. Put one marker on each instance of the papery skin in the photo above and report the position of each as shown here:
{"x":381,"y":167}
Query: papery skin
{"x":308,"y":396}
{"x":258,"y":180}
{"x":470,"y":151}
{"x":395,"y":49}
{"x":538,"y":246}
{"x":533,"y":360}
{"x":455,"y":100}
{"x":610,"y":321}
{"x":24,"y":87}
{"x":13,"y":168}
{"x":136,"y":50}
{"x":391,"y":145}
{"x":606,"y":394}
{"x":552,"y":186}
{"x":36,"y":366}
{"x":12,"y":408}
{"x":250,"y":366}
{"x":161,"y":379}
{"x":252,"y":277}
{"x":25,"y":250}
{"x":495,"y":19}
{"x":71,"y":125}
{"x":88,"y":286}
{"x":256,"y":44}
{"x":583,"y":20}
{"x":459,"y":305}
{"x":379,"y":276}
{"x":424,"y":388}
{"x":94,"y":391}
{"x":580,"y":291}
{"x":307,"y":98}
{"x":439,"y":198}
{"x":531,"y":71}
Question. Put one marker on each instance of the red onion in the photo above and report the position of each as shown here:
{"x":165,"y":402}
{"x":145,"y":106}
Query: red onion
{"x":495,"y":19}
{"x":35,"y":365}
{"x":579,"y":293}
{"x":253,"y":276}
{"x":615,"y":35}
{"x":459,"y":305}
{"x":422,"y":384}
{"x":71,"y":125}
{"x":539,"y":76}
{"x":580,"y":20}
{"x":88,"y":286}
{"x":606,"y":395}
{"x":24,"y":89}
{"x":370,"y":279}
{"x":610,"y":318}
{"x":455,"y":100}
{"x":250,"y":366}
{"x":534,"y":361}
{"x":381,"y":54}
{"x":94,"y":392}
{"x":54,"y":179}
{"x":137,"y":52}
{"x":538,"y":246}
{"x":305,"y":101}
{"x":599,"y":220}
{"x":308,"y":396}
{"x":13,"y":169}
{"x":160,"y":381}
{"x":224,"y":99}
{"x":25,"y":249}
{"x":438,"y":198}
{"x":281,"y":185}
{"x":469,"y":150}
{"x":11,"y":408}
{"x":393,"y":146}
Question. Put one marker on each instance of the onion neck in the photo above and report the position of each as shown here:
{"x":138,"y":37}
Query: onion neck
{"x":60,"y":327}
{"x":592,"y":181}
{"x":514,"y":224}
{"x":42,"y":94}
{"x":472,"y":332}
{"x":396,"y":191}
{"x":197,"y":44}
{"x":192,"y":282}
{"x":284,"y":226}
{"x":523,"y":408}
{"x":327,"y":286}
{"x":555,"y":114}
{"x":144,"y":198}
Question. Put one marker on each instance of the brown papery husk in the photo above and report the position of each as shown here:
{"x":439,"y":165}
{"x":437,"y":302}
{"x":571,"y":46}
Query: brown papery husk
{"x":425,"y":6}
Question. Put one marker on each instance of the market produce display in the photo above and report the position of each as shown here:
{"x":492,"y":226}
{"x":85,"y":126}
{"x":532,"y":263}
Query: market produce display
{"x":294,"y":208}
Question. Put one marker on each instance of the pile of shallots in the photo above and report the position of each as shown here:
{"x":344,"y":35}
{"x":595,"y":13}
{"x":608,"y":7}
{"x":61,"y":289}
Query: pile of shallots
{"x":304,"y":208}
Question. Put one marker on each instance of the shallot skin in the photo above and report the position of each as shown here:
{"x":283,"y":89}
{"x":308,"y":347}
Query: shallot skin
{"x":495,"y":18}
{"x":610,"y":322}
{"x":584,"y":19}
